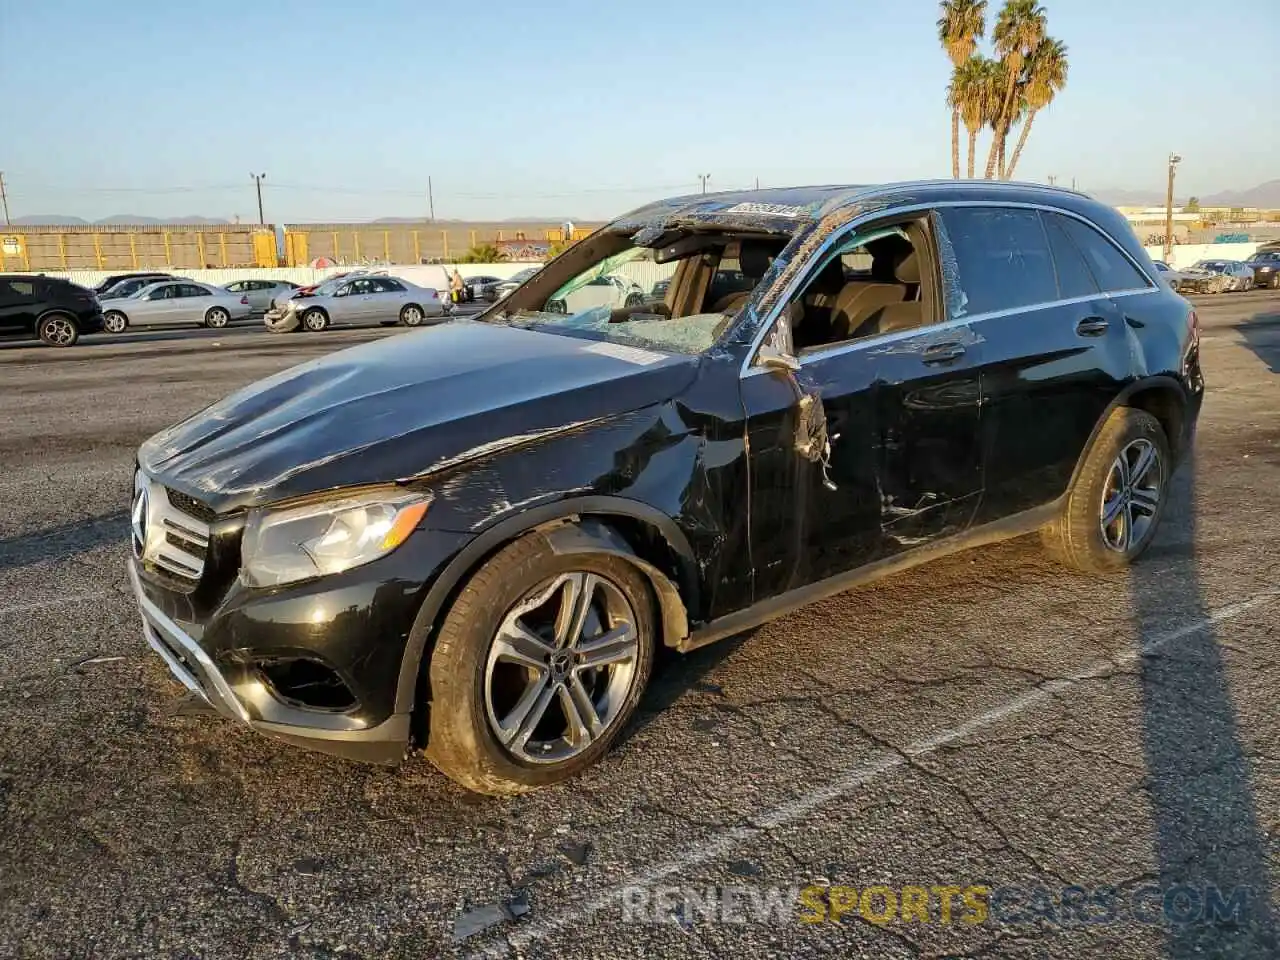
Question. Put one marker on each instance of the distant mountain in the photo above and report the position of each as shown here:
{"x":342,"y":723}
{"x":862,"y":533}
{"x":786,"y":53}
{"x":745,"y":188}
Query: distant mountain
{"x":124,"y":219}
{"x":52,"y":220}
{"x":1264,"y":195}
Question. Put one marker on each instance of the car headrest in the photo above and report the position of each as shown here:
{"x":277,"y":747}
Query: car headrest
{"x":908,"y":269}
{"x":886,"y":254}
{"x":830,"y":281}
{"x":754,"y":258}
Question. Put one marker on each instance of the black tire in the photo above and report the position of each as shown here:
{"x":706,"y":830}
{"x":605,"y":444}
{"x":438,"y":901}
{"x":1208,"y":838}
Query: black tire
{"x":315,"y":320}
{"x":412,"y":315}
{"x":634,"y":300}
{"x":215,"y":318}
{"x":1079,"y":538}
{"x":113,"y":321}
{"x":461,"y":741}
{"x":58,"y":330}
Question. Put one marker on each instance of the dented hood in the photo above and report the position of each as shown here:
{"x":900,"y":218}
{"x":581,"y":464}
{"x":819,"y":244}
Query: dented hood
{"x":401,"y":408}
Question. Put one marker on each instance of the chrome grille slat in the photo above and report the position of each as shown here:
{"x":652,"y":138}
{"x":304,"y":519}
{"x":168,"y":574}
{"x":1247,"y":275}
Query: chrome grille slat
{"x":176,"y":541}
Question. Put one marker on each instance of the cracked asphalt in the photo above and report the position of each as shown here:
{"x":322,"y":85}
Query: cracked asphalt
{"x":987,"y":720}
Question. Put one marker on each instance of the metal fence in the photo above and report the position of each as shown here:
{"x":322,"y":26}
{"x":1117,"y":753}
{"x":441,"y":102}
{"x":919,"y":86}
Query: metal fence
{"x":179,"y":247}
{"x":418,"y":242}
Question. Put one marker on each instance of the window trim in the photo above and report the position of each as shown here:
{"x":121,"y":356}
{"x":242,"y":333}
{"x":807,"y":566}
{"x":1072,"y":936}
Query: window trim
{"x":750,"y":368}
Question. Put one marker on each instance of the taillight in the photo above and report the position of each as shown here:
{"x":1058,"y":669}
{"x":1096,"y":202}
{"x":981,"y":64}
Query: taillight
{"x":435,"y":295}
{"x":244,"y":299}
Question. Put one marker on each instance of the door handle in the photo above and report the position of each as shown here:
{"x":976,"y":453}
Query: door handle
{"x":943,"y":352}
{"x":1092,"y":327}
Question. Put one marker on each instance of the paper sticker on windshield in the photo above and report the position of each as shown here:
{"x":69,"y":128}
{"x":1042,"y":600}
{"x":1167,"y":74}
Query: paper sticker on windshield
{"x":620,"y":352}
{"x":768,"y":209}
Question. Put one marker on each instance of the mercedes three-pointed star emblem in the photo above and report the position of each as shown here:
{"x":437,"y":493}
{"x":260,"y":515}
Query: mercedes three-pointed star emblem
{"x":138,"y":521}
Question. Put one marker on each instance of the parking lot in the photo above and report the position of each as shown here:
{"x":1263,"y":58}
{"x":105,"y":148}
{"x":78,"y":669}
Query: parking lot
{"x":987,"y":720}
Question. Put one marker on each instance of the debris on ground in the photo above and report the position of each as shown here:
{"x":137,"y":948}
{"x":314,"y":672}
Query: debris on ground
{"x":482,"y":918}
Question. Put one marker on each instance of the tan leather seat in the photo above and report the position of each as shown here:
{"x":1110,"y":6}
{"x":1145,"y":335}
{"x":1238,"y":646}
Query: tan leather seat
{"x":754,"y":259}
{"x":859,"y":317}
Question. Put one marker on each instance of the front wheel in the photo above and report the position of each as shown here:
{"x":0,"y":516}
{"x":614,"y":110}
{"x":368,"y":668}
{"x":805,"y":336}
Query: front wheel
{"x":315,"y":320}
{"x":538,"y":666}
{"x":115,"y":322}
{"x":1115,"y":504}
{"x":58,"y":330}
{"x":411,"y":315}
{"x":216,"y":318}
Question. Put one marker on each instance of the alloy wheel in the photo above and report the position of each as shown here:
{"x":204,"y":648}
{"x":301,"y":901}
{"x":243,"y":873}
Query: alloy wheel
{"x":1131,"y":496}
{"x":560,"y":667}
{"x":411,"y":316}
{"x":217,"y":317}
{"x":59,"y":331}
{"x":115,"y":323}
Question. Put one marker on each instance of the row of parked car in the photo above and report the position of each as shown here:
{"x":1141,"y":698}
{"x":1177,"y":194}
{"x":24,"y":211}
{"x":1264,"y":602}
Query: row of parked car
{"x":59,"y":312}
{"x":1262,"y":270}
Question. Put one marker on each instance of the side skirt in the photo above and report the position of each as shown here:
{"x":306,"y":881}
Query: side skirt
{"x":758,"y":613}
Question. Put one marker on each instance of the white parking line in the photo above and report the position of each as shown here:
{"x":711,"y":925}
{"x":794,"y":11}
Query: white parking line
{"x":41,"y":604}
{"x":858,"y":776}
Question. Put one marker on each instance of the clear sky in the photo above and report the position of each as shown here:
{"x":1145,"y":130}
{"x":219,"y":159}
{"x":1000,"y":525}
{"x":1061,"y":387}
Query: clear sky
{"x":585,"y":107}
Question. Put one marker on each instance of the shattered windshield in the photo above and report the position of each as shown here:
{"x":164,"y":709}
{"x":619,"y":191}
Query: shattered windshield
{"x":633,"y":298}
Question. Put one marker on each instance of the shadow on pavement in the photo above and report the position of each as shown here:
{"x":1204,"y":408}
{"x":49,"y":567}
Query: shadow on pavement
{"x":1208,"y":838}
{"x":674,"y":675}
{"x":64,"y":540}
{"x":1261,"y":334}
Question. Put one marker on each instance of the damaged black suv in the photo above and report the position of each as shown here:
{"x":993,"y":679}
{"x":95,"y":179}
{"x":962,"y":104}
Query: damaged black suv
{"x":476,"y":537}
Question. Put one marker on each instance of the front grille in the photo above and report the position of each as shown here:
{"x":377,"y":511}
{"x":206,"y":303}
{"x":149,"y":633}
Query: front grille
{"x":175,"y":542}
{"x":191,"y":506}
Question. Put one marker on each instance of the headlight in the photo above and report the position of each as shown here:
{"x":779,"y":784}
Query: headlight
{"x":316,"y":539}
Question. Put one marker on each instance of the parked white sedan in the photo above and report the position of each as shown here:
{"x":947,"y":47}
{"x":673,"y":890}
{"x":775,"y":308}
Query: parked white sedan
{"x":174,"y":302}
{"x":360,"y":299}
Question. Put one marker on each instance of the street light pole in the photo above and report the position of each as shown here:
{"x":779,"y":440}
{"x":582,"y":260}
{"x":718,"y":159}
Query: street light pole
{"x":258,"y":178}
{"x":1174,"y":160}
{"x":704,"y":177}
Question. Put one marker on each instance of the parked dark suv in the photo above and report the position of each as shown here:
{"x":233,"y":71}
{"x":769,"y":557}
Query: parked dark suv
{"x":57,"y":311}
{"x":491,"y":526}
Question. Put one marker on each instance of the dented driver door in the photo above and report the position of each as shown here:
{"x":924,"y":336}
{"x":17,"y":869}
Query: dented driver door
{"x":904,"y":462}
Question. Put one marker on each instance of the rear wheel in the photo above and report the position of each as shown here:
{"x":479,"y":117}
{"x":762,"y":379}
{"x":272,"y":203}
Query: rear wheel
{"x":216,"y":318}
{"x":538,"y":666}
{"x":115,"y":322}
{"x":315,"y":320}
{"x":58,"y":330}
{"x":1116,"y":502}
{"x":411,"y":315}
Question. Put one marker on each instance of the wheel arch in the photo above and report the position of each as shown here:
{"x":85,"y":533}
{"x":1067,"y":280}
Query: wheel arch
{"x":1162,"y":396}
{"x":616,"y":526}
{"x":58,"y":312}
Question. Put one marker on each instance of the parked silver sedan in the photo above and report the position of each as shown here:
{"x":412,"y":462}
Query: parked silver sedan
{"x":174,"y":302}
{"x":359,"y":299}
{"x":261,"y":292}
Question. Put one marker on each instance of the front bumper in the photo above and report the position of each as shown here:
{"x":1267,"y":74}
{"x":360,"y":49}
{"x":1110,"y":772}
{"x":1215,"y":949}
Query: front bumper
{"x":249,"y":700}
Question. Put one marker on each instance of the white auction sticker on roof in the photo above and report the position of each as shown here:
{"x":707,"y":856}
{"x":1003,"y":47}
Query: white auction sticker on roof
{"x":622,"y":352}
{"x":769,"y":209}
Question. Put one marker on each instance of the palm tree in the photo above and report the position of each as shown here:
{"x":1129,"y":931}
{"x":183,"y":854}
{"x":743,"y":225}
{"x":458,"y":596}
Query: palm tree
{"x":1018,"y":31}
{"x":1046,"y":75}
{"x":974,"y":88}
{"x":962,"y":24}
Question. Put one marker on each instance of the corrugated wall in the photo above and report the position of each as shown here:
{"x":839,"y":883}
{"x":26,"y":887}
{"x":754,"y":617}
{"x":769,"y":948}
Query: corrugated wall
{"x":416,"y":242}
{"x":46,"y":248}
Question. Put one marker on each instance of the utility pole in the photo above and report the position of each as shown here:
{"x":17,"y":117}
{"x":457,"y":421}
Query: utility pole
{"x":757,"y":183}
{"x":1174,"y":160}
{"x":431,"y":200}
{"x":704,"y":177}
{"x":1053,"y":179}
{"x":258,"y":178}
{"x":5,"y":198}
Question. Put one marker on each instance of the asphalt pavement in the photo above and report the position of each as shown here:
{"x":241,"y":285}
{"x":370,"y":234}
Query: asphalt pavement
{"x":1073,"y":766}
